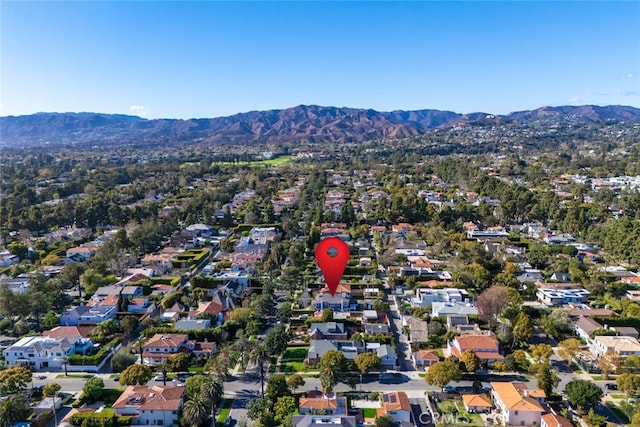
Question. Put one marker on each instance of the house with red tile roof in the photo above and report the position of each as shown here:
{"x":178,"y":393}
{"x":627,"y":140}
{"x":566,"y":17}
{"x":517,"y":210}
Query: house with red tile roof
{"x":486,"y":347}
{"x":517,"y":404}
{"x":323,"y":405}
{"x":477,"y":403}
{"x":155,"y":405}
{"x":396,"y":405}
{"x":554,"y":420}
{"x":425,"y":358}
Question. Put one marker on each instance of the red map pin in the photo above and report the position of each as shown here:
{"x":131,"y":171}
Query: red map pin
{"x":332,"y":255}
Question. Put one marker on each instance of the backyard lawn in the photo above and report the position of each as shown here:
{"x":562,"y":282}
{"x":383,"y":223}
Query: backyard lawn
{"x":448,"y":407}
{"x":369,"y":412}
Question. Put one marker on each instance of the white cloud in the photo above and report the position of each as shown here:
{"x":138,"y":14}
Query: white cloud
{"x":139,"y":110}
{"x":629,"y":76}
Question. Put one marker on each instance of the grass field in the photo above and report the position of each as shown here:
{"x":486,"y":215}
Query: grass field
{"x":369,"y":412}
{"x":295,"y":353}
{"x":292,"y":367}
{"x":224,"y":412}
{"x":75,"y":376}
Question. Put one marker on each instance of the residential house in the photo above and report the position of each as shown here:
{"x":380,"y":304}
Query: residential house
{"x":350,"y":349}
{"x":486,"y":347}
{"x":376,"y":328}
{"x":192,"y":325}
{"x":396,"y":405}
{"x":44,"y":353}
{"x":154,"y":405}
{"x":323,"y":421}
{"x":210,"y":309}
{"x":459,"y":310}
{"x":622,"y":346}
{"x":324,"y":405}
{"x":327,"y":331}
{"x":387,"y":355}
{"x":140,"y":305}
{"x":558,"y":297}
{"x":68,"y":332}
{"x":161,"y":346}
{"x":426,"y":296}
{"x":85,"y":253}
{"x":339,"y":301}
{"x":425,"y":358}
{"x":477,"y":403}
{"x":585,"y":326}
{"x":85,"y":314}
{"x":517,"y":405}
{"x":554,"y":420}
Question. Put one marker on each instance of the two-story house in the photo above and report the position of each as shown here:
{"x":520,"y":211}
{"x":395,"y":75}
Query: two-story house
{"x":151,"y":405}
{"x":340,"y":301}
{"x":158,"y":349}
{"x":86,"y":314}
{"x":44,"y":353}
{"x":517,"y":405}
{"x":621,"y":345}
{"x":486,"y":347}
{"x":327,"y":331}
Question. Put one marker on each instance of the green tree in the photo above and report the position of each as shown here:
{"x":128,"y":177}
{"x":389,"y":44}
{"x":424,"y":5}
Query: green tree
{"x":12,"y":410}
{"x":14,"y":380}
{"x":367,"y":362}
{"x":522,"y":329}
{"x":569,"y":349}
{"x":129,"y":324}
{"x":277,"y":387}
{"x":595,"y":420}
{"x":470,"y":360}
{"x":284,"y":406}
{"x":136,"y":374}
{"x":295,"y":381}
{"x":583,"y":393}
{"x":276,"y":340}
{"x":196,"y":410}
{"x":122,"y":359}
{"x":546,"y":378}
{"x":629,"y":383}
{"x":541,"y":352}
{"x":93,"y":389}
{"x":442,"y":373}
{"x":51,"y":389}
{"x":384,"y":421}
{"x":260,"y":356}
{"x":256,"y":408}
{"x":178,"y":362}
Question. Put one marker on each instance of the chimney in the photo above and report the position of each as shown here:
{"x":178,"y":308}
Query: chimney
{"x":526,"y":393}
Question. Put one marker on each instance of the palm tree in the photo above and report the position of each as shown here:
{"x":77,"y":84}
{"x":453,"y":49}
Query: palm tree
{"x":218,"y":368}
{"x":196,"y":410}
{"x":260,"y":355}
{"x":242,"y":344}
{"x":12,"y":410}
{"x":212,"y":390}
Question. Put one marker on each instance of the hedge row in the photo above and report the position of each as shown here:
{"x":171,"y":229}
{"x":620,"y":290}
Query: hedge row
{"x":96,"y":359}
{"x":165,"y":280}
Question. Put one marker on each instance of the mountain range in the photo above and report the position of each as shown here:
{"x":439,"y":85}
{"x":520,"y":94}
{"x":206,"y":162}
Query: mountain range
{"x":304,"y":123}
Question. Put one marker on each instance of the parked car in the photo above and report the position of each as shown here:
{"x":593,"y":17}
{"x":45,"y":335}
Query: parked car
{"x":160,"y":378}
{"x":611,"y":386}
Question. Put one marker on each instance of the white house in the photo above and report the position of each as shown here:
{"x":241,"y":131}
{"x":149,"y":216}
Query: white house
{"x":396,"y":405}
{"x":151,"y":405}
{"x":44,"y":353}
{"x":556,"y":297}
{"x":427,"y":296}
{"x":517,"y":404}
{"x":621,"y":345}
{"x":87,"y":314}
{"x":387,"y":355}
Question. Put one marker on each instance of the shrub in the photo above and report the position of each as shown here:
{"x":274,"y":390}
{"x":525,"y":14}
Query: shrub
{"x":96,"y":359}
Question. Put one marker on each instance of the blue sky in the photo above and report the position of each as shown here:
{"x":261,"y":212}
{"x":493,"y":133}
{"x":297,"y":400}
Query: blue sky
{"x":208,"y":59}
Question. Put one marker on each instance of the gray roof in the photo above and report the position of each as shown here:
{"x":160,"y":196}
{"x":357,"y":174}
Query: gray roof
{"x":324,"y":421}
{"x":587,"y":324}
{"x":447,"y":308}
{"x":192,"y":325}
{"x":327,"y":328}
{"x":386,"y":350}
